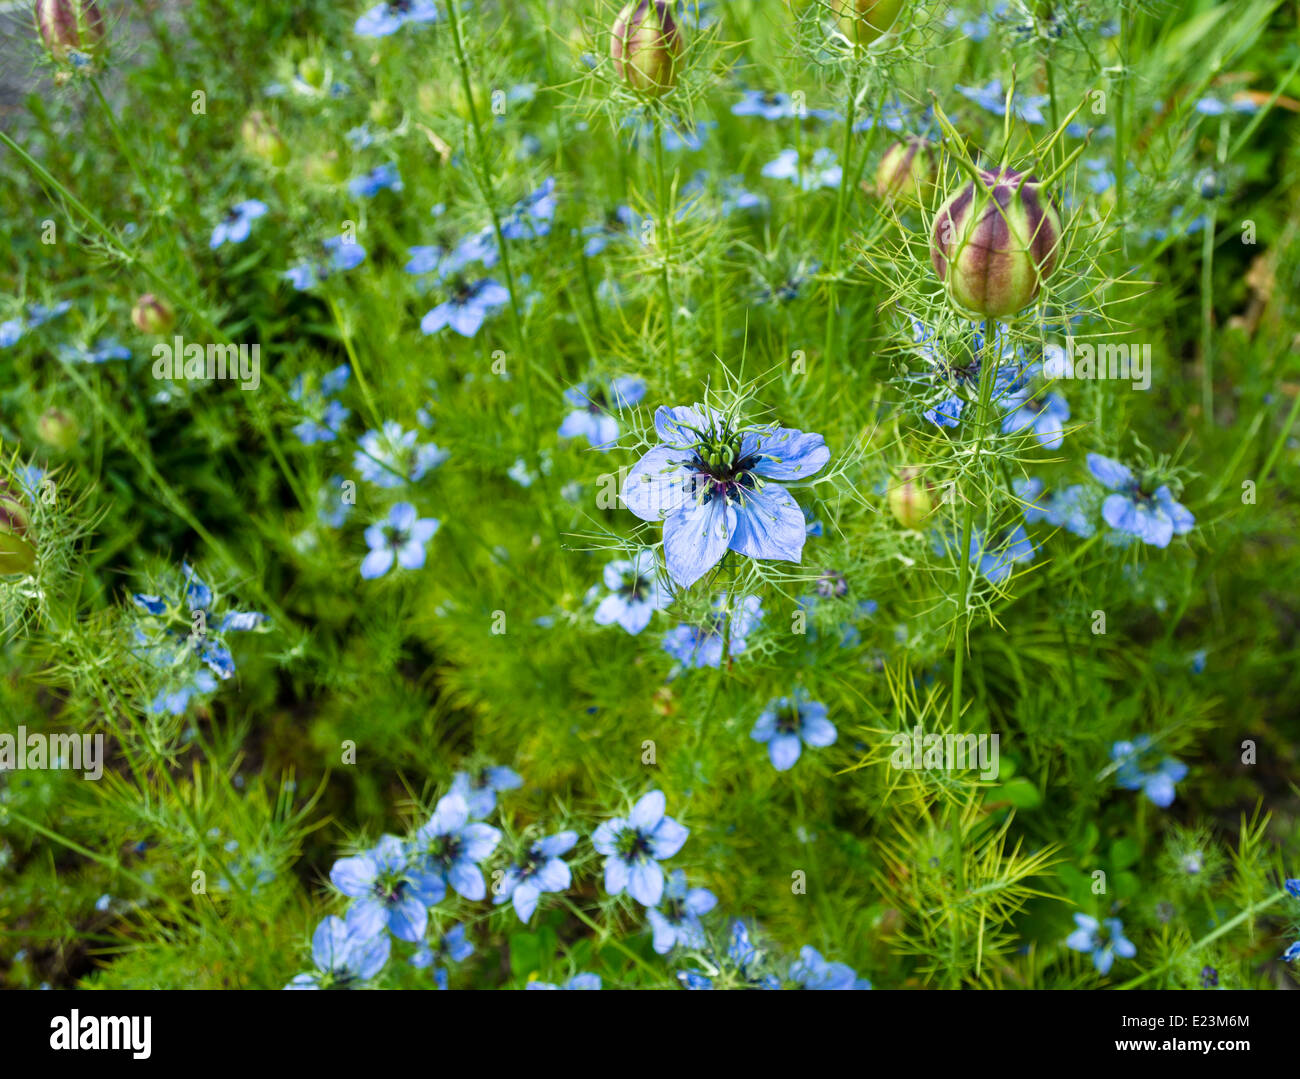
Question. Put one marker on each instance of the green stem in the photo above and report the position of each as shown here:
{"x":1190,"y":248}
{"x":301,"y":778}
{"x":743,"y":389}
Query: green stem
{"x":664,"y":238}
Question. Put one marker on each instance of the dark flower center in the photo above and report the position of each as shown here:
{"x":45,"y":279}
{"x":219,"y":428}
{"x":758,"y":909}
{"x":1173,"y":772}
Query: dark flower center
{"x":633,"y":588}
{"x":444,"y":849}
{"x":788,"y":719}
{"x":632,"y":844}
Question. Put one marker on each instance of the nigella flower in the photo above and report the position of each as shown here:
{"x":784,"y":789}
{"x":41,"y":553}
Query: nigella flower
{"x":176,"y":700}
{"x":1292,"y":886}
{"x":341,"y":254}
{"x":1104,"y":943}
{"x":530,"y":218}
{"x":676,"y":921}
{"x":634,"y":592}
{"x":819,"y":171}
{"x":1043,"y":413}
{"x":1292,"y":953}
{"x":12,"y":330}
{"x":1136,"y":509}
{"x":450,"y":848}
{"x":717,"y":487}
{"x":343,"y":959}
{"x":1070,"y":507}
{"x":376,"y":180}
{"x":811,"y":971}
{"x":102,"y":351}
{"x":453,"y":947}
{"x":327,"y":415}
{"x":1158,"y":783}
{"x":996,"y":564}
{"x":787,"y":724}
{"x":480,"y":789}
{"x":578,"y":981}
{"x":466,"y":308}
{"x":954,"y":364}
{"x":594,"y":407}
{"x":385,"y":19}
{"x":744,"y":966}
{"x":634,"y":847}
{"x":541,"y":869}
{"x":235,"y":226}
{"x":392,"y":458}
{"x":402,"y":538}
{"x":701,"y":646}
{"x":382,"y":883}
{"x":768,"y":105}
{"x":993,"y":98}
{"x":1213,"y":106}
{"x":620,"y":224}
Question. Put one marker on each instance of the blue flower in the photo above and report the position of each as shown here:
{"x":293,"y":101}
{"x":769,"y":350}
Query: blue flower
{"x":12,"y":330}
{"x":593,"y":417}
{"x":634,"y":847}
{"x":342,"y":253}
{"x":820,"y":171}
{"x":1044,"y":414}
{"x":811,"y":971}
{"x":375,"y":181}
{"x":701,"y":646}
{"x":1292,"y":886}
{"x":993,"y":98}
{"x":1292,"y":953}
{"x":327,"y":416}
{"x":1153,"y":516}
{"x":1156,"y":783}
{"x":531,"y":217}
{"x":717,"y":487}
{"x":402,"y":538}
{"x":1104,"y":945}
{"x":450,"y":848}
{"x":1070,"y":507}
{"x":953,"y":368}
{"x":466,"y":308}
{"x":382,"y":884}
{"x":634,"y":593}
{"x":343,"y":959}
{"x":744,"y":965}
{"x":102,"y":351}
{"x":480,"y":789}
{"x":1212,"y":106}
{"x":621,"y":223}
{"x":676,"y":920}
{"x":392,"y":458}
{"x":385,"y":19}
{"x":453,"y":947}
{"x":578,"y":981}
{"x":235,"y":226}
{"x":540,"y":870}
{"x":768,"y":105}
{"x":996,"y":565}
{"x":790,"y":723}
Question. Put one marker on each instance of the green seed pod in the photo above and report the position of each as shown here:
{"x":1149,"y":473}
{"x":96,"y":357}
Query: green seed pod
{"x":908,"y":170}
{"x":312,"y":72}
{"x":645,"y":46}
{"x":57,"y":429}
{"x":152,"y":315}
{"x":909,"y":498}
{"x":262,"y":139}
{"x":994,"y":243}
{"x":17,"y":555}
{"x":863,"y":21}
{"x":69,"y":27}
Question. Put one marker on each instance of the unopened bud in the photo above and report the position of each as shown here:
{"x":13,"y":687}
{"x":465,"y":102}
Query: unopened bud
{"x":908,"y":170}
{"x":262,"y":139}
{"x":69,"y":28}
{"x":863,"y":21}
{"x":152,"y":315}
{"x":17,"y":555}
{"x":58,"y":429}
{"x":909,"y":498}
{"x":646,"y":45}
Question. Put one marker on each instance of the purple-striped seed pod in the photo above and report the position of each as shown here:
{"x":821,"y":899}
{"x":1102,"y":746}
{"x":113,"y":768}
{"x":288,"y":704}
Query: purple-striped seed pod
{"x":152,"y":315}
{"x":645,"y":46}
{"x":995,"y":242}
{"x":57,"y":429}
{"x":908,"y":170}
{"x":863,"y":21}
{"x":17,"y":555}
{"x":69,"y":26}
{"x":909,"y":498}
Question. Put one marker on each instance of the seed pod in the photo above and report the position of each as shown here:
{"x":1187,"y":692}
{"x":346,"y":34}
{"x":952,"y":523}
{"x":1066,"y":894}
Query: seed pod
{"x":645,"y":46}
{"x":995,"y":242}
{"x":908,"y":170}
{"x":863,"y":21}
{"x":909,"y":498}
{"x":58,"y":429}
{"x":262,"y":139}
{"x":152,"y":315}
{"x":69,"y":26}
{"x":17,"y":555}
{"x":312,"y":72}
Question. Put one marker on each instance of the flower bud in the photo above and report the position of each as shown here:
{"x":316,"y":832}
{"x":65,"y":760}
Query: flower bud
{"x":312,"y":72}
{"x":863,"y":21}
{"x":262,"y":139}
{"x":995,"y":242}
{"x":645,"y":46}
{"x":909,"y":498}
{"x":908,"y":170}
{"x":152,"y":315}
{"x":69,"y":26}
{"x":17,"y":555}
{"x":58,"y":429}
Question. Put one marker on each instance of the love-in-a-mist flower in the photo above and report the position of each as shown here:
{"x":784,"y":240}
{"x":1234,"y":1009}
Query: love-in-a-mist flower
{"x":675,"y":922}
{"x":452,"y":947}
{"x":236,"y":225}
{"x":380,"y":882}
{"x":325,"y":415}
{"x":1105,"y":940}
{"x":1141,"y":768}
{"x":341,"y":253}
{"x":530,"y":218}
{"x":343,"y":959}
{"x":767,"y":104}
{"x":1140,"y":507}
{"x":385,"y":19}
{"x":541,"y":869}
{"x":392,"y":457}
{"x":1070,"y":507}
{"x":743,"y":966}
{"x":993,"y":98}
{"x":995,"y":560}
{"x":811,"y":971}
{"x":466,"y":308}
{"x":716,"y":485}
{"x":450,"y":847}
{"x":594,"y":406}
{"x":380,"y":178}
{"x":401,"y":538}
{"x":819,"y":170}
{"x":578,"y":981}
{"x":787,"y":724}
{"x":1032,"y":409}
{"x":702,"y":646}
{"x":634,"y":846}
{"x":635,"y":593}
{"x":480,"y":789}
